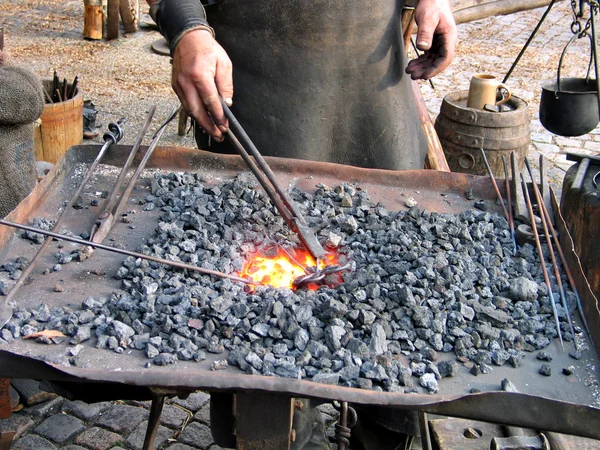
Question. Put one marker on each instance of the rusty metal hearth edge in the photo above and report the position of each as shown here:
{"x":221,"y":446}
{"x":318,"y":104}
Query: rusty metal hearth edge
{"x":498,"y":407}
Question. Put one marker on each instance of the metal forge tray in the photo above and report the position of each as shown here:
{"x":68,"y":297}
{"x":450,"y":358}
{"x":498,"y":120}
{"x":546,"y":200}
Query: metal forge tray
{"x":556,"y":403}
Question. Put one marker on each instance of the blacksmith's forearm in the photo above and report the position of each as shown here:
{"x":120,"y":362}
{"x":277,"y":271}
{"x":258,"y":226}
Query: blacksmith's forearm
{"x":175,"y":18}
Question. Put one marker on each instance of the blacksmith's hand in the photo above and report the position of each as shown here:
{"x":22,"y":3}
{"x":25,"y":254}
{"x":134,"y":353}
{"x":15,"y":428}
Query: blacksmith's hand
{"x":436,"y":37}
{"x":202,"y":71}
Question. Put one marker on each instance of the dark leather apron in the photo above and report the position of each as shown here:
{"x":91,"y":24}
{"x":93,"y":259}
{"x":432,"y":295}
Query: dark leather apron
{"x":322,"y":80}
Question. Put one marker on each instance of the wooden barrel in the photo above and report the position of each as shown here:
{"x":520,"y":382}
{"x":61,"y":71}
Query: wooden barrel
{"x":61,"y":126}
{"x":464,"y":131}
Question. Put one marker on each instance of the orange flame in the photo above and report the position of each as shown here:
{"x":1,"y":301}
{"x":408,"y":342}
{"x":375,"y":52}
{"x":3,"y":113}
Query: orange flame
{"x":279,"y":268}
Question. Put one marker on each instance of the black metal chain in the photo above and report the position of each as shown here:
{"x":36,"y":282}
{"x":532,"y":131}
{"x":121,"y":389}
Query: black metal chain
{"x":315,"y":275}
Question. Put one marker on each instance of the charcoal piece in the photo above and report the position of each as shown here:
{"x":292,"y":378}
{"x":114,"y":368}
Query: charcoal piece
{"x":545,"y":370}
{"x":523,"y":289}
{"x":332,"y":309}
{"x":358,"y":348}
{"x":349,"y":373}
{"x":378,"y":344}
{"x":544,"y":356}
{"x":374,"y":372}
{"x":121,"y":331}
{"x":467,"y":312}
{"x":165,"y":359}
{"x":301,"y":339}
{"x":219,"y":365}
{"x":237,"y":357}
{"x":418,"y":369}
{"x":333,"y":336}
{"x":575,"y":354}
{"x":447,"y":368}
{"x":349,"y":225}
{"x":429,"y":382}
{"x":303,"y":313}
{"x":422,"y":317}
{"x":82,"y":334}
{"x":568,"y":370}
{"x":254,"y":360}
{"x":333,"y":240}
{"x":516,"y":359}
{"x":432,"y":368}
{"x":288,"y":370}
{"x":475,"y":370}
{"x":326,"y":378}
{"x":261,"y":329}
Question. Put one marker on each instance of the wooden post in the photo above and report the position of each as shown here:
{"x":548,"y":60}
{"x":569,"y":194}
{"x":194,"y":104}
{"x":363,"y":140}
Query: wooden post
{"x":93,"y":19}
{"x":5,"y":403}
{"x":112,"y":20}
{"x":130,"y":12}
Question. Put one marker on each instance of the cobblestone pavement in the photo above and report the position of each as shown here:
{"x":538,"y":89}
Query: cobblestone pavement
{"x":488,"y":45}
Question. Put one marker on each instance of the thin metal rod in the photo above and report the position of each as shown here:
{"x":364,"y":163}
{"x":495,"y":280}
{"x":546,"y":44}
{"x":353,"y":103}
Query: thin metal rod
{"x":112,"y":198}
{"x":261,"y":178}
{"x":533,"y":33}
{"x":545,"y":221}
{"x":545,"y":212}
{"x":142,"y":165}
{"x":511,"y":222}
{"x":110,"y":138}
{"x":493,"y":180}
{"x":177,"y":264}
{"x":248,"y":144}
{"x":542,"y":261}
{"x":595,"y":50}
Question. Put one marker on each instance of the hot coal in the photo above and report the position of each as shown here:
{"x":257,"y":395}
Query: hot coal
{"x":422,"y":283}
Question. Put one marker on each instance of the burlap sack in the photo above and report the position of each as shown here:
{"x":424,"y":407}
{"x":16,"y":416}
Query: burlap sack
{"x":21,"y":103}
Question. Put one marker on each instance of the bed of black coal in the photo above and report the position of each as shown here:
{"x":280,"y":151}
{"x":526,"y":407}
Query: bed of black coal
{"x":423,"y":283}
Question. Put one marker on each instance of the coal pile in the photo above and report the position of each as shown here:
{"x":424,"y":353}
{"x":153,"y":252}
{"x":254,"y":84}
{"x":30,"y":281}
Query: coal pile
{"x":423,"y":283}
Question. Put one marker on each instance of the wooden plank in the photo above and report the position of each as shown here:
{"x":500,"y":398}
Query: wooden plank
{"x":263,"y":421}
{"x":112,"y":20}
{"x":496,"y":8}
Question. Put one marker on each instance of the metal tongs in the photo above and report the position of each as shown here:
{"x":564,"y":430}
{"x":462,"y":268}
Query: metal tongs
{"x":284,"y":204}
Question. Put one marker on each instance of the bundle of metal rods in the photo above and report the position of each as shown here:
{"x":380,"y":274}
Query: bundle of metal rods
{"x":61,"y":91}
{"x":550,"y":237}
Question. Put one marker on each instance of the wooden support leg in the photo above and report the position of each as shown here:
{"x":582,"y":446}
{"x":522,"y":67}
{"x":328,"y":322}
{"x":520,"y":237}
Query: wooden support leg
{"x":6,"y":438}
{"x":263,"y":421}
{"x":153,"y":421}
{"x":5,"y":404}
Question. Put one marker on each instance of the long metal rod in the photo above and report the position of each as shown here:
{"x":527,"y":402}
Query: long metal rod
{"x":112,"y":198}
{"x":542,"y":261}
{"x":177,"y":264}
{"x":261,"y":177}
{"x":111,"y":137}
{"x":248,"y":144}
{"x":533,"y":33}
{"x":545,"y":222}
{"x":104,"y":219}
{"x":142,"y":165}
{"x":561,"y":254}
{"x":266,"y":177}
{"x":511,"y":222}
{"x":498,"y":194}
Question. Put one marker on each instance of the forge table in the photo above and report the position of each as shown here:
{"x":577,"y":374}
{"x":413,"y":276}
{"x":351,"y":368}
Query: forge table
{"x":264,"y":405}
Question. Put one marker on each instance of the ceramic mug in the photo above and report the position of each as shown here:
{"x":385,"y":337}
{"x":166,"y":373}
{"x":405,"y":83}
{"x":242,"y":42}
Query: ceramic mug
{"x":483,"y":90}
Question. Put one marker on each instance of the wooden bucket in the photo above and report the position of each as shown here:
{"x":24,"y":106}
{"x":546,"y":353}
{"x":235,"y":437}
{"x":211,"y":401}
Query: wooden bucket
{"x":464,"y":131}
{"x":60,"y":127}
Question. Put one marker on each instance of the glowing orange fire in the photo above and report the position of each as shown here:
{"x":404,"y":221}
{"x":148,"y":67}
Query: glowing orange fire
{"x":279,"y":268}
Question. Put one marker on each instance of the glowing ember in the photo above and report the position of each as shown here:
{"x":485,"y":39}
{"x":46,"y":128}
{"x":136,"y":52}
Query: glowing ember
{"x":279,"y":269}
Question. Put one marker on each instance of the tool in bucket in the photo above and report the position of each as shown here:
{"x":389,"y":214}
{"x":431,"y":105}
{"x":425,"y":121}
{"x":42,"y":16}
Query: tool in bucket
{"x":284,"y":204}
